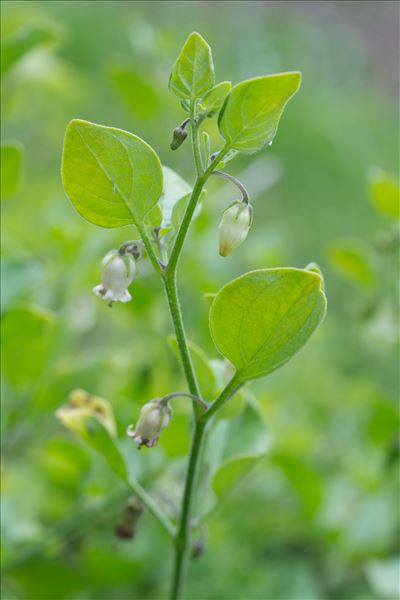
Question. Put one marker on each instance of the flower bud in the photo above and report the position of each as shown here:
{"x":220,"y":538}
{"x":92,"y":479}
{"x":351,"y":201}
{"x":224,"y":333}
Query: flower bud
{"x":234,"y":226}
{"x":118,"y":273}
{"x":178,"y":137}
{"x":154,"y":417}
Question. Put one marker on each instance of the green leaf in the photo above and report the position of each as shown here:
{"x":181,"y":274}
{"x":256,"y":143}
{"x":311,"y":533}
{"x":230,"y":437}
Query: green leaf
{"x":241,"y":444}
{"x":180,"y":208}
{"x":250,"y":116}
{"x":26,"y":335}
{"x":203,"y":370}
{"x":12,"y":169}
{"x":261,"y":319}
{"x":215,"y":98}
{"x":352,"y":260}
{"x":174,"y":188}
{"x":385,"y":194}
{"x":154,"y":217}
{"x":23,"y":41}
{"x":98,"y":438}
{"x":112,"y":177}
{"x":232,"y":471}
{"x":193,"y":72}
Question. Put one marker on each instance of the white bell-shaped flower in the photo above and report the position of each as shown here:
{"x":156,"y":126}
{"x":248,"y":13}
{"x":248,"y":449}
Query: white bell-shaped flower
{"x":118,"y":273}
{"x":154,"y":417}
{"x":234,"y":226}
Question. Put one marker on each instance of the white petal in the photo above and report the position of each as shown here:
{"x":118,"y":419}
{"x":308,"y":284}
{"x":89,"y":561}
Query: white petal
{"x":125,"y":296}
{"x":99,"y":290}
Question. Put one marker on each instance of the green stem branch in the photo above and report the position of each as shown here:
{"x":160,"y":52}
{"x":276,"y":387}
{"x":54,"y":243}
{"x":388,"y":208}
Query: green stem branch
{"x":152,"y":507}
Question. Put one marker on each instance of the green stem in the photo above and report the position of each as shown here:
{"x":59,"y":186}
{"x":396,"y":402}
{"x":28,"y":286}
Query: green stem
{"x":150,"y":251}
{"x":169,"y":279}
{"x":177,"y":320}
{"x":182,"y":538}
{"x":152,"y":507}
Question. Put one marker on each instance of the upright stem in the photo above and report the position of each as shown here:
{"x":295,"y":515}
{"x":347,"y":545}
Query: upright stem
{"x":177,"y":320}
{"x":169,"y":278}
{"x":181,"y":545}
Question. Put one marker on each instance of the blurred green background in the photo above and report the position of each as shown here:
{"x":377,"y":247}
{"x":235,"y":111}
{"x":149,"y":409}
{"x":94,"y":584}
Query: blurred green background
{"x":317,"y":518}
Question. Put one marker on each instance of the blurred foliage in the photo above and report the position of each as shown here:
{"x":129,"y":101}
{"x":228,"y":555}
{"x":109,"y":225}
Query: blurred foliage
{"x":317,"y":515}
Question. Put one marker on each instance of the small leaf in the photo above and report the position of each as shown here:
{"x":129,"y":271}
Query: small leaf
{"x":250,"y":116}
{"x":352,"y":260}
{"x":112,"y":177}
{"x":203,"y":370}
{"x":261,"y":319}
{"x":12,"y":169}
{"x":193,"y":72}
{"x":215,"y":98}
{"x":385,"y":194}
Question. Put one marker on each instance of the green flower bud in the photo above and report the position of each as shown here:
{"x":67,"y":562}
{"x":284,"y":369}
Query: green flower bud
{"x":178,"y":137}
{"x":234,"y":226}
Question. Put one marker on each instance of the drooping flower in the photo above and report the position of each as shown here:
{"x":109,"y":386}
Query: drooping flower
{"x":234,"y":226}
{"x":80,"y":406}
{"x":154,"y":417}
{"x":118,"y":273}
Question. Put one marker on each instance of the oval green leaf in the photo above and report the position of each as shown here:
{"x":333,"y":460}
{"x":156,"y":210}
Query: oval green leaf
{"x":112,"y":177}
{"x":250,"y":116}
{"x":261,"y":319}
{"x":193,"y":72}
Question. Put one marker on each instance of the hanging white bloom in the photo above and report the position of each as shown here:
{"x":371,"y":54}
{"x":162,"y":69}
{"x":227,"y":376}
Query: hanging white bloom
{"x":154,"y":417}
{"x":234,"y":226}
{"x":118,"y":273}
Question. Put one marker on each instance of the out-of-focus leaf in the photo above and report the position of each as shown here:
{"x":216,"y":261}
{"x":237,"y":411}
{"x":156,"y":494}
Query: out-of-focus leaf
{"x":12,"y":169}
{"x":26,"y":335}
{"x":261,"y":319}
{"x":174,"y":188}
{"x":246,"y":441}
{"x":193,"y":72}
{"x":18,"y":279}
{"x":385,"y":194}
{"x":215,"y":98}
{"x":232,"y":471}
{"x":204,"y":372}
{"x":250,"y":116}
{"x":179,"y":209}
{"x":112,"y":177}
{"x":305,"y":480}
{"x":137,"y":91}
{"x":23,"y":41}
{"x":352,"y":260}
